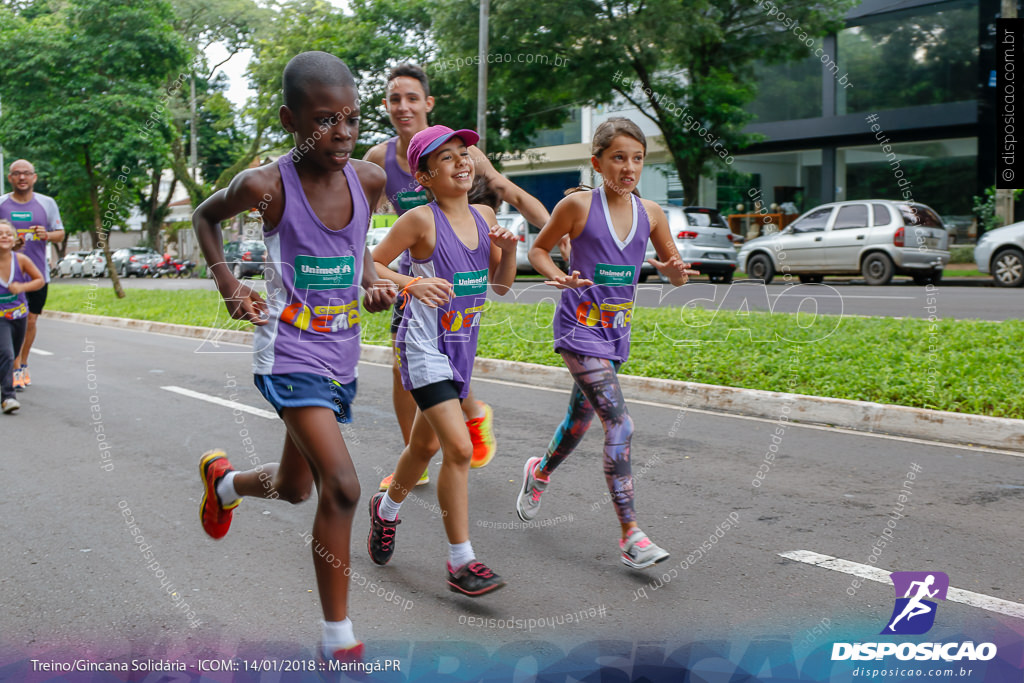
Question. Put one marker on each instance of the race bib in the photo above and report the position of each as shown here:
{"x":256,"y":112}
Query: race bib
{"x":324,"y":272}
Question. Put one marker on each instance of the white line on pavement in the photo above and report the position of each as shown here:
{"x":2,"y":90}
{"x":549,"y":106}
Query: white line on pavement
{"x":980,"y":600}
{"x":820,"y":428}
{"x":40,"y":352}
{"x":222,"y":402}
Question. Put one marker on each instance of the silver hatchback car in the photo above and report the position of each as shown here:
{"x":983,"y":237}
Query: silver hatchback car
{"x":876,"y":238}
{"x":703,"y":240}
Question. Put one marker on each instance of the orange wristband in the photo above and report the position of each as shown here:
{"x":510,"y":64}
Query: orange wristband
{"x":407,"y":296}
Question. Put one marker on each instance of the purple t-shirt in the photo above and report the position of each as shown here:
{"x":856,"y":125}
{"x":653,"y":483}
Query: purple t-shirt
{"x":437,"y":344}
{"x":401,"y":192}
{"x":313,"y":286}
{"x":13,"y":306}
{"x":40,"y":210}
{"x":596,"y":320}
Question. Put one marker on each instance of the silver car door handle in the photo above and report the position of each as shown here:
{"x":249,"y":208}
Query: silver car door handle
{"x":817,"y":239}
{"x":860,"y":237}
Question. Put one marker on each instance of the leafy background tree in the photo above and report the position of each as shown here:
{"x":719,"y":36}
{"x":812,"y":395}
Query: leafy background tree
{"x":77,"y":82}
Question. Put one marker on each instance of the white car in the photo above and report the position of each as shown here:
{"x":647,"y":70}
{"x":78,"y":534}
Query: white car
{"x":71,"y":264}
{"x":526,"y":233}
{"x":374,"y":237}
{"x":95,"y":264}
{"x":1001,"y":253}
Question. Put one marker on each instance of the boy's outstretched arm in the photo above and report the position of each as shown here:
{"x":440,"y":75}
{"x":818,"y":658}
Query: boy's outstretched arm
{"x":245,"y":192}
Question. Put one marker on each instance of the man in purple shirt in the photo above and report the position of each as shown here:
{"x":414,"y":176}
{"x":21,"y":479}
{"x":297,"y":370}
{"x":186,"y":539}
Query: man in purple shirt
{"x":37,"y":221}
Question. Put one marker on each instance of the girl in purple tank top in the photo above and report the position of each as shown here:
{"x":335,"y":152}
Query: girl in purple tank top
{"x":609,"y":228}
{"x":17,"y":275}
{"x":454,"y":257}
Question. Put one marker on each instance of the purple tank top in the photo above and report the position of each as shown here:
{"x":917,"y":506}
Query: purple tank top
{"x":13,"y":306}
{"x":313,"y":286}
{"x":595,"y":321}
{"x":401,"y":192}
{"x":437,"y":344}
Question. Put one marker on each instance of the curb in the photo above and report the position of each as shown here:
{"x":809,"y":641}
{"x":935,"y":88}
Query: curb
{"x":862,"y":416}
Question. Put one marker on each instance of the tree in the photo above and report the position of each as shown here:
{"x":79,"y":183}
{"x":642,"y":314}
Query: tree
{"x":688,"y":67}
{"x":78,"y":84}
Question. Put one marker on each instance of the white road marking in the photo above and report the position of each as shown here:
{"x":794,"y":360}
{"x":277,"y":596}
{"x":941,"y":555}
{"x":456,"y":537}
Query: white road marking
{"x":40,"y":352}
{"x":980,"y":600}
{"x":216,"y":400}
{"x":820,"y":428}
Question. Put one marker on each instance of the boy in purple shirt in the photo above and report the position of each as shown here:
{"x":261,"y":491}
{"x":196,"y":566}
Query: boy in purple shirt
{"x":317,"y":207}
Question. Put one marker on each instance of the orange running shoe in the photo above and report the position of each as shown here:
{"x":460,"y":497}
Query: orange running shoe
{"x":215,"y":519}
{"x":385,"y":483}
{"x":481,"y":431}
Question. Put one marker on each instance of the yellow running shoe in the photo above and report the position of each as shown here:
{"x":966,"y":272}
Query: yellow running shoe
{"x":386,"y":481}
{"x":481,"y":432}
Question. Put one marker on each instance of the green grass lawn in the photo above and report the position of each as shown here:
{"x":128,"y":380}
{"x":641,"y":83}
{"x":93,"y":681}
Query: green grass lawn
{"x":958,"y":365}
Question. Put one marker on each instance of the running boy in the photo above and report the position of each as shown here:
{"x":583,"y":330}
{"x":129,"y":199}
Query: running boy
{"x":408,"y":101}
{"x":454,"y":256}
{"x":315,"y":203}
{"x":609,"y":228}
{"x":14,"y":268}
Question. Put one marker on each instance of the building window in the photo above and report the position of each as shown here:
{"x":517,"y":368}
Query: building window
{"x":934,"y":172}
{"x":569,"y":133}
{"x":787,"y":91}
{"x":910,"y":61}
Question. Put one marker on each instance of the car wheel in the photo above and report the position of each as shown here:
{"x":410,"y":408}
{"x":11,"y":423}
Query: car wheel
{"x":811,"y":279}
{"x":237,"y":271}
{"x":1008,"y":268}
{"x":760,"y":267}
{"x":877,"y":269}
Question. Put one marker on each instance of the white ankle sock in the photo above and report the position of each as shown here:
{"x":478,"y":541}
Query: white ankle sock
{"x":337,"y":635}
{"x":388,"y":509}
{"x":460,"y":554}
{"x":226,"y":492}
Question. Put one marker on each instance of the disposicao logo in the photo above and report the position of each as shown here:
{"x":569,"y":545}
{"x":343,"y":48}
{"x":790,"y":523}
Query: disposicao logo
{"x":914,"y":614}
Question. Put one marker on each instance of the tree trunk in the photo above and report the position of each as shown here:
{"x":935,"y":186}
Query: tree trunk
{"x":102,"y":234}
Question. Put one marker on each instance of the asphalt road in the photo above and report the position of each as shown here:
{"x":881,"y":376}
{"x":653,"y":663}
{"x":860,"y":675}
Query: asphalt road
{"x":835,"y":297}
{"x":99,"y":432}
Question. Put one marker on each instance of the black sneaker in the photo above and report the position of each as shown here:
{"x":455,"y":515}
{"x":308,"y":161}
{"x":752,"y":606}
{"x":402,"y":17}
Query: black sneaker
{"x":474,"y":579}
{"x":381,"y":541}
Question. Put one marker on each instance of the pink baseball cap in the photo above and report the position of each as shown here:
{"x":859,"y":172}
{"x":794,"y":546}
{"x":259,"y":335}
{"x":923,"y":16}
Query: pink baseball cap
{"x":429,"y":139}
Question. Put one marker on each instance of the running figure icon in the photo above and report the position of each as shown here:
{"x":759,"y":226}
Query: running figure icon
{"x":916,"y":593}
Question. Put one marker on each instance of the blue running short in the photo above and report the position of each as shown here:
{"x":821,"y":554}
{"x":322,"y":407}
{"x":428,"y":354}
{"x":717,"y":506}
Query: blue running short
{"x":300,"y":389}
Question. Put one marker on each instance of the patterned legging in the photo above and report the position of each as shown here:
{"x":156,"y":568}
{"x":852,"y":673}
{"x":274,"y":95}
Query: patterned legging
{"x":597,"y":386}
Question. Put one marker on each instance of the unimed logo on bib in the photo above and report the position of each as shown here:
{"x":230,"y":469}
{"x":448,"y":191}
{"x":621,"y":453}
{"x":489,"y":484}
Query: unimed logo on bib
{"x":470,"y":283}
{"x":914,"y":612}
{"x":324,"y":272}
{"x":21,"y":215}
{"x":615,"y":276}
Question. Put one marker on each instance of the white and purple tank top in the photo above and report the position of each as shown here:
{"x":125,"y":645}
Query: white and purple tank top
{"x":13,"y":306}
{"x":401,"y":192}
{"x":437,"y":344}
{"x":596,"y":320}
{"x":313,"y":286}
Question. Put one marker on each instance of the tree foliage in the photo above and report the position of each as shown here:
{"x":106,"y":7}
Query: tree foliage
{"x":78,"y":84}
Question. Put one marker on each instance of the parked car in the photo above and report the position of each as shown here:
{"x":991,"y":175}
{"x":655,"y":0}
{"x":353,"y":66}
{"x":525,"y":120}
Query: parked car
{"x":71,"y":264}
{"x":245,"y":257}
{"x":877,"y":238}
{"x":374,"y":237}
{"x":135,"y":261}
{"x":95,"y":264}
{"x":526,"y":233}
{"x":1001,"y":253}
{"x":703,"y":239}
